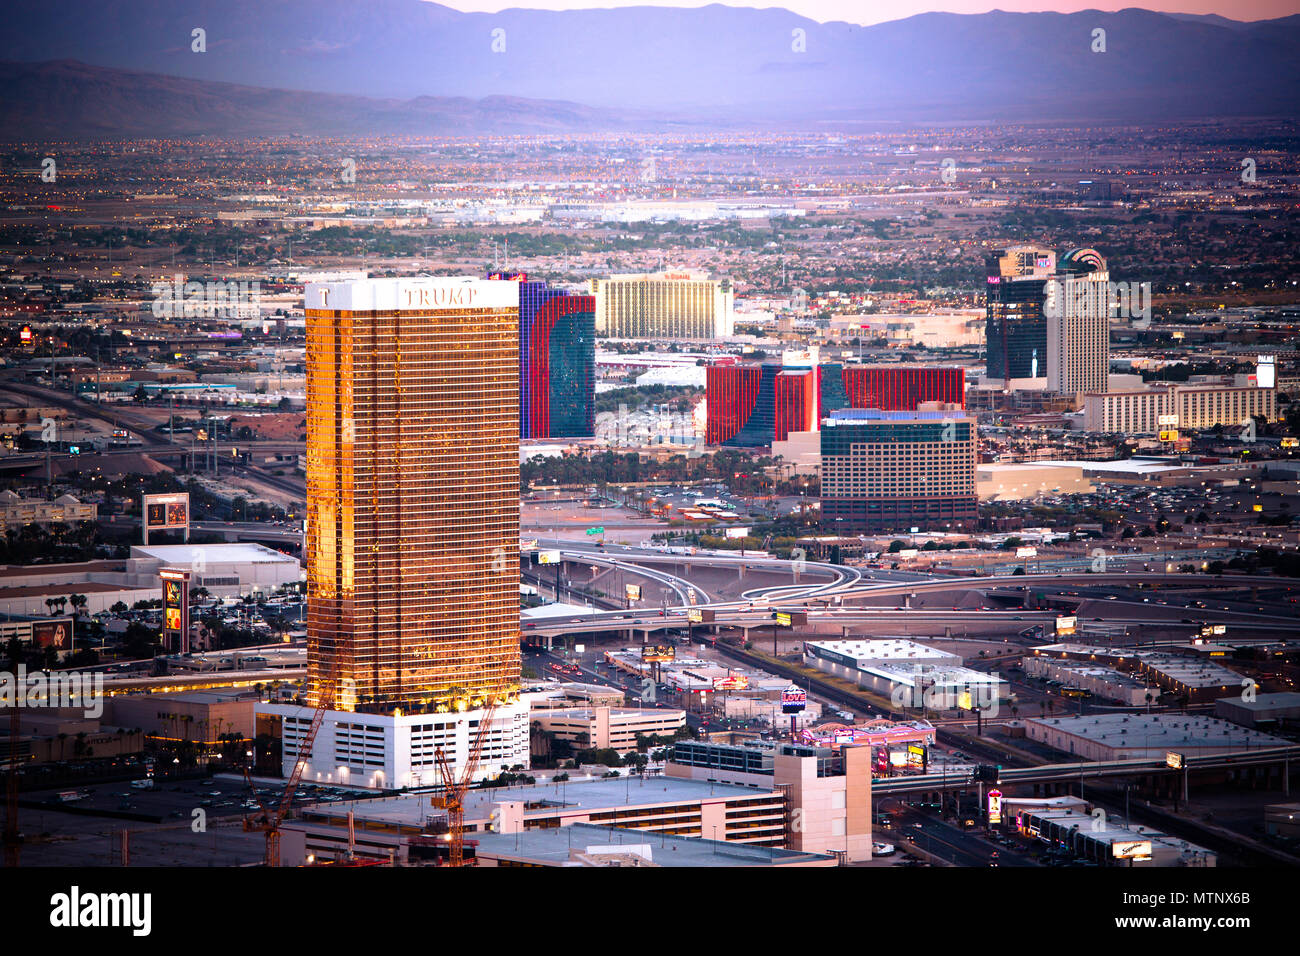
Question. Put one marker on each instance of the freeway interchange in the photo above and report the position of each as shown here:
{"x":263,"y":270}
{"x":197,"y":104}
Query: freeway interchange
{"x":827,"y":593}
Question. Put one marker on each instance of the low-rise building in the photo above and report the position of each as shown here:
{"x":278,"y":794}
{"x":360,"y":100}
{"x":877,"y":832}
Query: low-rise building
{"x":201,"y":716}
{"x":1135,"y":736}
{"x":911,"y":674}
{"x":1268,"y":711}
{"x":828,"y":789}
{"x":1169,"y":408}
{"x":1108,"y":843}
{"x":384,"y":828}
{"x":608,"y":728}
{"x":586,"y":845}
{"x":1102,"y":681}
{"x":17,"y":511}
{"x":1016,"y":482}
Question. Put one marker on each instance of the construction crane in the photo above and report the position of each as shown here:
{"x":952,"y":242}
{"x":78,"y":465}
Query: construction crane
{"x":452,"y":797}
{"x":267,"y":822}
{"x":11,"y":837}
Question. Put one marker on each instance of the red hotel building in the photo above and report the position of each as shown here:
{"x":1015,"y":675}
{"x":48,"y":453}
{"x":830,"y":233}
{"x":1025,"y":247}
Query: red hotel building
{"x":754,"y":405}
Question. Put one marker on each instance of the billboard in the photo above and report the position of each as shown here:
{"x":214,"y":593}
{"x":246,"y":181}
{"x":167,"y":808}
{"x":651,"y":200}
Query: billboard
{"x":165,"y":513}
{"x":695,"y":615}
{"x":1026,"y":552}
{"x":1067,"y":625}
{"x":1266,"y":371}
{"x":731,"y":682}
{"x":658,"y":653}
{"x":794,"y":700}
{"x":1174,"y":761}
{"x":995,"y":806}
{"x":633,"y":592}
{"x":176,"y":609}
{"x":1169,"y":435}
{"x":548,"y":557}
{"x":783,"y":619}
{"x":55,"y":634}
{"x":1131,"y":849}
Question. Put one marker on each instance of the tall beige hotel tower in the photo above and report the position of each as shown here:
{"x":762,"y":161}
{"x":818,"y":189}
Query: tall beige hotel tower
{"x":412,"y":533}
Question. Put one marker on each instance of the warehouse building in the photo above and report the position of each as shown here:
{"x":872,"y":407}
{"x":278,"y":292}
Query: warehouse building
{"x":1136,"y":736}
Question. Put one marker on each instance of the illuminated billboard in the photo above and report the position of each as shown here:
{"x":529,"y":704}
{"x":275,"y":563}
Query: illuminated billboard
{"x":995,"y":806}
{"x":1067,"y":625}
{"x":1174,"y":761}
{"x":695,"y":615}
{"x":53,"y":634}
{"x":658,"y":653}
{"x":1131,"y":849}
{"x":548,"y":557}
{"x":633,"y":592}
{"x":165,"y":513}
{"x":1266,"y":371}
{"x":794,"y":700}
{"x":783,"y":619}
{"x":732,"y":682}
{"x":176,"y":609}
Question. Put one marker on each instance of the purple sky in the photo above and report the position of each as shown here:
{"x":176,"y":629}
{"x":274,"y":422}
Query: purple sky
{"x":858,"y":11}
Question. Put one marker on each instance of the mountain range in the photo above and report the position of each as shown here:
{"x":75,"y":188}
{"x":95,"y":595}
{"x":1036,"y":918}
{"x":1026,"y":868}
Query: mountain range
{"x":406,"y":65}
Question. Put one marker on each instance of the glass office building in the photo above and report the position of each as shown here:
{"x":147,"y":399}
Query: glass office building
{"x":413,"y":492}
{"x":557,"y":360}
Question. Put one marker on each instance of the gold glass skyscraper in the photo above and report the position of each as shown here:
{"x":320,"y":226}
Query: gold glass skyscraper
{"x":413,"y":493}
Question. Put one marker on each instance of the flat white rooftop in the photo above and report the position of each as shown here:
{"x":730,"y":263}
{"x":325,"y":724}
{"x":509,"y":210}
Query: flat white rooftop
{"x":544,"y":800}
{"x":885,"y":650}
{"x":1132,"y":466}
{"x":184,"y":555}
{"x":1178,"y":732}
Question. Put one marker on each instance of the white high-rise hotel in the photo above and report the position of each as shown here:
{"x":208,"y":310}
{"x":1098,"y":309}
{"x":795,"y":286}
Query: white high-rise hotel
{"x":1077,"y":308}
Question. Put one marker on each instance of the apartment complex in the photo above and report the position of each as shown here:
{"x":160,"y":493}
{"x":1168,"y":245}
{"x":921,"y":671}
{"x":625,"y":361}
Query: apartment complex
{"x":1171,"y":407}
{"x":894,"y":471}
{"x":664,"y":305}
{"x":412,"y":529}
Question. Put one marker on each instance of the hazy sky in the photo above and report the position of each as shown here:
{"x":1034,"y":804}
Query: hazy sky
{"x":873,"y":11}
